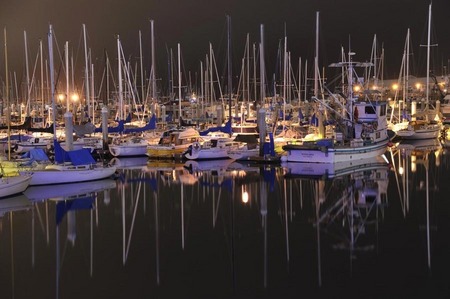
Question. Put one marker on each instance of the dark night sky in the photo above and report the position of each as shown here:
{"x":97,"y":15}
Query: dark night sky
{"x":195,"y":23}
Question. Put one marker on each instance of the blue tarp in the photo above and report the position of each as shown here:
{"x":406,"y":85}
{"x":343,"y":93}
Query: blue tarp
{"x":224,"y":129}
{"x":151,"y":125}
{"x":118,"y":129}
{"x":77,"y":157}
{"x":36,"y":154}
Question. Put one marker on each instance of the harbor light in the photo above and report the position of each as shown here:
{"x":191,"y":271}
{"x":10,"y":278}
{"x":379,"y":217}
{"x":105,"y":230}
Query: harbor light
{"x":75,"y":97}
{"x":356,"y":88}
{"x":245,"y":197}
{"x":395,"y":86}
{"x":418,"y":86}
{"x":61,"y":97}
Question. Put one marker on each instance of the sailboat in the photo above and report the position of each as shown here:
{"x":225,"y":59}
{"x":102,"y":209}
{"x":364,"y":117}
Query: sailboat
{"x":70,"y":166}
{"x":360,"y":132}
{"x":13,"y":185}
{"x":423,"y":128}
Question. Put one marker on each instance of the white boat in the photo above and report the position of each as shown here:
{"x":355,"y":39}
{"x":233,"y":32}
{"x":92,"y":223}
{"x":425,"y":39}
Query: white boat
{"x":71,"y":167}
{"x":331,"y":170}
{"x":14,"y":185}
{"x":210,"y":149}
{"x":35,"y":142}
{"x":69,"y":173}
{"x":360,"y":132}
{"x":128,"y":146}
{"x":246,"y":146}
{"x":420,"y":129}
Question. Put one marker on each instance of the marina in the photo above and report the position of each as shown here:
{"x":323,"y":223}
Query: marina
{"x":233,"y":229}
{"x":275,"y":163}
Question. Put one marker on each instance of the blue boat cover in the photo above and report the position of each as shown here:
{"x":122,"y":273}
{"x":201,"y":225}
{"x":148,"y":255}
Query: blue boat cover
{"x":224,"y":129}
{"x":36,"y":154}
{"x":151,"y":125}
{"x":77,"y":157}
{"x":118,"y":129}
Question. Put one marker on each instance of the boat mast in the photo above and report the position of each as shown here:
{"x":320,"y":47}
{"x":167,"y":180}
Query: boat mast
{"x":52,"y":78}
{"x":261,"y":65}
{"x":27,"y":73}
{"x":153,"y":72}
{"x":316,"y":59}
{"x":119,"y":74}
{"x":230,"y":89}
{"x":86,"y":73}
{"x":8,"y":121}
{"x":66,"y":50}
{"x":141,"y":67}
{"x":42,"y":80}
{"x":179,"y":83}
{"x":428,"y":57}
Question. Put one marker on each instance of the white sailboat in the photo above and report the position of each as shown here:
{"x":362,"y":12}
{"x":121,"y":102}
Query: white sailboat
{"x":13,"y":185}
{"x":71,"y":166}
{"x":424,"y":128}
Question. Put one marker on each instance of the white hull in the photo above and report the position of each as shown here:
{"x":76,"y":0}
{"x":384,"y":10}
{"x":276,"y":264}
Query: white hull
{"x":208,"y":153}
{"x":243,"y":154}
{"x":55,"y":174}
{"x":428,"y":133}
{"x":336,"y":154}
{"x":13,"y":185}
{"x":128,"y":150}
{"x":331,"y":170}
{"x":23,"y":147}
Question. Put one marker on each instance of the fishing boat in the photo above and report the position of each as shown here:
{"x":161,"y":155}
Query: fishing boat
{"x":360,"y":131}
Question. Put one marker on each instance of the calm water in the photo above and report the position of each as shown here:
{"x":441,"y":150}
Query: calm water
{"x":230,"y":230}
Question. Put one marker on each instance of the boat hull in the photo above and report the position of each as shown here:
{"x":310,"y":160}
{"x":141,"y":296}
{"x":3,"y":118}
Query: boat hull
{"x":165,"y":152}
{"x":331,"y":170}
{"x":428,"y":133}
{"x":128,"y":150}
{"x":14,"y":185}
{"x":50,"y":176}
{"x":323,"y":154}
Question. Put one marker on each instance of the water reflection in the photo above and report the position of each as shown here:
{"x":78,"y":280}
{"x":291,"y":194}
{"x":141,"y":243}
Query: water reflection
{"x":413,"y":157}
{"x":223,"y":228}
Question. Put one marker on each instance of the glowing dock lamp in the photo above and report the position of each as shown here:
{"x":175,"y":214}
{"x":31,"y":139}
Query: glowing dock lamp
{"x":74,"y":97}
{"x":418,"y":86}
{"x":61,"y":97}
{"x":356,"y":88}
{"x":395,"y":86}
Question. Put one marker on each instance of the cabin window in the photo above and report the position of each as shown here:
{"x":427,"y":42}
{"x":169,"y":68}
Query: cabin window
{"x":370,"y":110}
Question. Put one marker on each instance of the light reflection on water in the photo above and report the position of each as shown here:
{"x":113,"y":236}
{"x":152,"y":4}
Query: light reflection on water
{"x":221,"y":229}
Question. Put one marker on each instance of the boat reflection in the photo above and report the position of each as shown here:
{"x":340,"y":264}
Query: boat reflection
{"x":347,"y":200}
{"x":407,"y":158}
